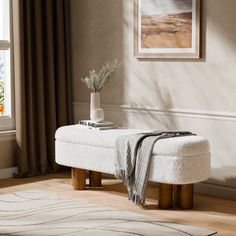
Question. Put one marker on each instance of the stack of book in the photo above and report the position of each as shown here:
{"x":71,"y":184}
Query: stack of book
{"x":103,"y":125}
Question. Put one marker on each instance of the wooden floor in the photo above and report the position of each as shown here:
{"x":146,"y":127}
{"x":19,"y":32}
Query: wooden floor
{"x":214,"y":213}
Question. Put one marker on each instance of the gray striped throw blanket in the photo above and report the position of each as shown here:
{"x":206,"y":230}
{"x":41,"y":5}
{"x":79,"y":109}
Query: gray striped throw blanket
{"x":133,"y":160}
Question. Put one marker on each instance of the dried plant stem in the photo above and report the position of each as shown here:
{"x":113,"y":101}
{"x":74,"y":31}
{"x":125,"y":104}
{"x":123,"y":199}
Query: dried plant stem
{"x":96,"y":81}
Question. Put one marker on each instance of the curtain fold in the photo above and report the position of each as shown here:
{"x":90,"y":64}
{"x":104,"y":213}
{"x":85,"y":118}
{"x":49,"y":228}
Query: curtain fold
{"x":44,"y":86}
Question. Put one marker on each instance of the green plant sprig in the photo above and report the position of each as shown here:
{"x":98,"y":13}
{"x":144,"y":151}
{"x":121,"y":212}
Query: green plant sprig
{"x":96,"y":81}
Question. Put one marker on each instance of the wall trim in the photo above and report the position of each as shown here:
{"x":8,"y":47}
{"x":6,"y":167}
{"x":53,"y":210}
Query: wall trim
{"x":8,"y":172}
{"x":215,"y":190}
{"x":200,"y":114}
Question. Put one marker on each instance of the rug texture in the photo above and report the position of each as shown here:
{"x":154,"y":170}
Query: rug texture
{"x":32,"y":213}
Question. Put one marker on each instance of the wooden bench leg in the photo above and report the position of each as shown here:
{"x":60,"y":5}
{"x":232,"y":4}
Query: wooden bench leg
{"x":165,"y":196}
{"x":185,"y":196}
{"x":78,"y":177}
{"x":95,"y":179}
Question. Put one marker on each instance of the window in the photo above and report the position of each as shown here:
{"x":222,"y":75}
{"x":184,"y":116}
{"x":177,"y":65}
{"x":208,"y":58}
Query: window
{"x":6,"y":66}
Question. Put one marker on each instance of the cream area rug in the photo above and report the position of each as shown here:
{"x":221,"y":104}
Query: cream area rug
{"x":34,"y":213}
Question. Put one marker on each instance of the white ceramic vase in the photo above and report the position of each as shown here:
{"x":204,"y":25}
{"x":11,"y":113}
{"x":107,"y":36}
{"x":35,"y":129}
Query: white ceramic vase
{"x":96,"y":113}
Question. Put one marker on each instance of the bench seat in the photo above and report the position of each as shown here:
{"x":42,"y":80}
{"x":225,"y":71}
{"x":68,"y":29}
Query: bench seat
{"x":176,"y":161}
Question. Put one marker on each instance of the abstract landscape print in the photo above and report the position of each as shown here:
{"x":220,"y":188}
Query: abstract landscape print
{"x":167,"y":28}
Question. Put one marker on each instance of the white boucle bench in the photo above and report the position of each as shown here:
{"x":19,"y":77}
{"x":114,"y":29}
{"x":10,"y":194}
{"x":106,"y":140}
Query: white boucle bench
{"x":177,"y":162}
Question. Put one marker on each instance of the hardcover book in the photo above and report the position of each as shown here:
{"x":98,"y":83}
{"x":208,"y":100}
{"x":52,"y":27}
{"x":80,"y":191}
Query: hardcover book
{"x":96,"y":124}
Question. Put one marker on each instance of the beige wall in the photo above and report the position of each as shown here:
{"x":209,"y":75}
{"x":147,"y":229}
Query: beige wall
{"x":199,"y":95}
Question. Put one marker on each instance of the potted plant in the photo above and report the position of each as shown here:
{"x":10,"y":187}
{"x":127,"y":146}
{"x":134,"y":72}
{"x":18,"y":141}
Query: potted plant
{"x":95,"y":83}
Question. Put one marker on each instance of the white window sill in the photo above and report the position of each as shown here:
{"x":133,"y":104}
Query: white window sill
{"x":6,"y":123}
{"x":7,"y":135}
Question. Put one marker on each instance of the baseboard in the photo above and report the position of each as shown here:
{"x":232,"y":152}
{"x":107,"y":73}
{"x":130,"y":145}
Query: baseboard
{"x":215,"y":190}
{"x":8,"y":172}
{"x":209,"y":189}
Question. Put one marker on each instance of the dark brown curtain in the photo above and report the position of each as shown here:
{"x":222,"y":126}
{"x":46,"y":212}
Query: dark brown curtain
{"x":45,"y":93}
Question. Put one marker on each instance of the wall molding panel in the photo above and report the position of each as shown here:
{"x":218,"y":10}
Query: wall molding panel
{"x":201,"y":114}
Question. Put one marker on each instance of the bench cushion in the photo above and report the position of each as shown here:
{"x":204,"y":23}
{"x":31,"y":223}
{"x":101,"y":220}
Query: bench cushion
{"x":179,"y":160}
{"x":184,"y":146}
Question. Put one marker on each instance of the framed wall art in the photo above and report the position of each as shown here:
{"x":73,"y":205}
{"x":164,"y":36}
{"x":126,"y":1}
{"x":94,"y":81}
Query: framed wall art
{"x":167,"y":28}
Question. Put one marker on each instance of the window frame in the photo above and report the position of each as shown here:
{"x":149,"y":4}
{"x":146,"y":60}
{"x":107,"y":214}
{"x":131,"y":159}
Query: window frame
{"x":7,"y":122}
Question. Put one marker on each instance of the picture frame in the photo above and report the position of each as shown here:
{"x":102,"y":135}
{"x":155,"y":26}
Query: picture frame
{"x":167,"y":29}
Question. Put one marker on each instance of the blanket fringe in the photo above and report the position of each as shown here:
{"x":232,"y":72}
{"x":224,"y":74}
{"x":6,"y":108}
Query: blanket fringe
{"x":121,"y":174}
{"x":136,"y":199}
